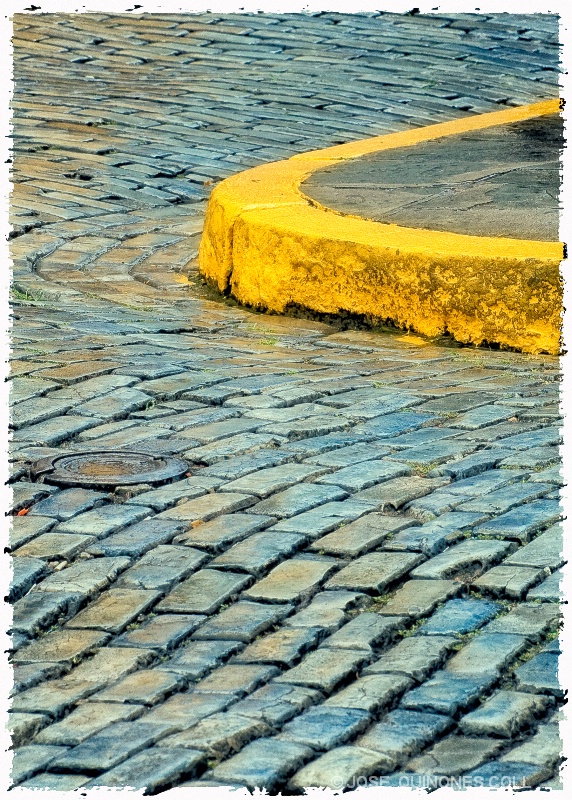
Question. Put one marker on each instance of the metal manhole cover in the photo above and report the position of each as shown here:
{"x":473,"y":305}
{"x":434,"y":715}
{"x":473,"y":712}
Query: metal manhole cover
{"x":104,"y":468}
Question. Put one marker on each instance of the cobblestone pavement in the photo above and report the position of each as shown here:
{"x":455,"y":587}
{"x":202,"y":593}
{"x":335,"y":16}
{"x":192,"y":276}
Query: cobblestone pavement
{"x":360,"y":574}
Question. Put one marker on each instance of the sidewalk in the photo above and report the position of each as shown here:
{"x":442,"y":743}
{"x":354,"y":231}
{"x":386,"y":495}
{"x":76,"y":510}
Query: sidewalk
{"x":359,"y":573}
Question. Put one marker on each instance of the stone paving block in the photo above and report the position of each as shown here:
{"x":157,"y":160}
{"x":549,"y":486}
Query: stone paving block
{"x":236,"y":679}
{"x":474,"y":464}
{"x":305,"y":428}
{"x":25,"y":573}
{"x":52,"y":698}
{"x":304,"y":448}
{"x":365,"y":631}
{"x":264,"y":763}
{"x":173,"y":386}
{"x":417,"y":598}
{"x":528,"y":619}
{"x":204,"y":592}
{"x":233,"y":468}
{"x":107,"y":665}
{"x":468,"y":555}
{"x":447,"y":692}
{"x":32,"y":758}
{"x":506,"y":580}
{"x":22,"y":726}
{"x":549,"y":475}
{"x":145,"y":687}
{"x":362,"y":535}
{"x":214,"y":431}
{"x":324,"y":668}
{"x":460,"y":616}
{"x":370,"y":692}
{"x":162,"y":632}
{"x":113,"y":405}
{"x":84,"y":721}
{"x":184,"y":709}
{"x":265,"y":482}
{"x":393,"y":494}
{"x":293,"y":580}
{"x":421,"y":437}
{"x":68,"y":503}
{"x":363,"y":475}
{"x":243,"y":621}
{"x":259,"y":551}
{"x":540,"y":675}
{"x":324,"y":518}
{"x":219,"y":735}
{"x":328,"y":610}
{"x":102,"y":521}
{"x":276,"y":703}
{"x":543,"y":437}
{"x":38,"y":409}
{"x":506,"y":498}
{"x":56,"y":547}
{"x":25,"y":494}
{"x":25,"y":676}
{"x":24,"y":529}
{"x":38,"y":610}
{"x":325,"y":727}
{"x":166,"y":496}
{"x":534,"y":457}
{"x":521,"y":522}
{"x":434,"y":453}
{"x":484,"y":483}
{"x":61,"y":646}
{"x":414,"y":656}
{"x":401,"y":733}
{"x":487,"y":653}
{"x":207,"y":507}
{"x":115,"y":609}
{"x":56,"y":430}
{"x":374,"y":572}
{"x":484,"y":415}
{"x":390,"y":425}
{"x":432,"y":537}
{"x":544,"y":551}
{"x":243,"y":443}
{"x":153,"y":769}
{"x":434,"y":505}
{"x":339,"y":768}
{"x":135,"y":540}
{"x":298,"y":499}
{"x":542,"y":749}
{"x":283,"y":647}
{"x":110,"y":746}
{"x":454,"y":755}
{"x":195,"y":659}
{"x":458,"y":402}
{"x":353,"y":454}
{"x":549,"y":591}
{"x":161,"y":567}
{"x":504,"y":714}
{"x":515,"y":775}
{"x":223,"y":531}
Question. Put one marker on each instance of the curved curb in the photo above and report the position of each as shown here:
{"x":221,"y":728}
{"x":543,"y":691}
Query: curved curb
{"x":276,"y":248}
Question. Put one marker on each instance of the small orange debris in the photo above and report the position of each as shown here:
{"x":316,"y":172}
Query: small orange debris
{"x":197,"y":522}
{"x":22,"y":512}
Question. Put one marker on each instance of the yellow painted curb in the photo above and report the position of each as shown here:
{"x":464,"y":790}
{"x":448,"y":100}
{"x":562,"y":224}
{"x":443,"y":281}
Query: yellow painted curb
{"x":276,"y":248}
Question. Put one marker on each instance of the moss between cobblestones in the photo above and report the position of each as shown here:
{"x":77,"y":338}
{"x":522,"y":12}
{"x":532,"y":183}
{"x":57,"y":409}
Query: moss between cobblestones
{"x":273,"y":247}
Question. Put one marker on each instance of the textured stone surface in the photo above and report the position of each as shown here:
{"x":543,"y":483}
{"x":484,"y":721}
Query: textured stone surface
{"x":292,"y":428}
{"x":503,"y":714}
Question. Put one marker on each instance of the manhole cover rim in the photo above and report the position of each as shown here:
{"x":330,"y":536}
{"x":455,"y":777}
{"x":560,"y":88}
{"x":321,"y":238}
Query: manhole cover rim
{"x":52,"y":472}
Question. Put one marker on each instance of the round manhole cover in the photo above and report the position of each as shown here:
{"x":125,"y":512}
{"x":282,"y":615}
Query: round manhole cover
{"x":101,"y":468}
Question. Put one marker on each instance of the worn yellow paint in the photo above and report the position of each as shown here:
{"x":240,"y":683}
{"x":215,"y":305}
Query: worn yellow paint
{"x":274,"y":248}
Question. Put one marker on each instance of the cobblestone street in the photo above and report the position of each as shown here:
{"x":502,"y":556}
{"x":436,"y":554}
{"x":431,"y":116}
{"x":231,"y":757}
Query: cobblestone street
{"x":358,"y":575}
